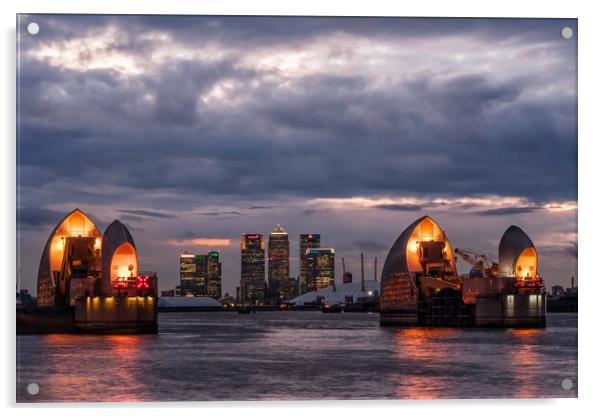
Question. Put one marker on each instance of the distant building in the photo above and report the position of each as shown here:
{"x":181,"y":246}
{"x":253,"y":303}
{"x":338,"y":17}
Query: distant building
{"x":214,"y":275}
{"x":293,"y":286}
{"x":188,"y":273}
{"x":306,"y":241}
{"x":347,"y":277}
{"x":320,"y":268}
{"x":24,"y":298}
{"x":278,"y":265}
{"x":168,"y":293}
{"x":200,"y":275}
{"x":228,"y":300}
{"x":557,"y":290}
{"x":252,"y":269}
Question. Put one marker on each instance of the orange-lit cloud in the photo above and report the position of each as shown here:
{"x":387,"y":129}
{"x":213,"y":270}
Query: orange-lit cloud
{"x":212,"y":242}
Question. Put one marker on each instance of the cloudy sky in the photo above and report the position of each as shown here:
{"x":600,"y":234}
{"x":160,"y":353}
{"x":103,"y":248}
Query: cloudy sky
{"x":193,"y":130}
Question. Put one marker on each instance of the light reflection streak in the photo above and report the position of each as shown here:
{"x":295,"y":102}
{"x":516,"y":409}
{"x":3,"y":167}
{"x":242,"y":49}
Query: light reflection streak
{"x":113,"y":361}
{"x":421,"y":346}
{"x":524,"y":361}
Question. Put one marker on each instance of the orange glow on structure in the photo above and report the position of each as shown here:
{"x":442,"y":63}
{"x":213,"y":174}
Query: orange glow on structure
{"x":426,"y":230}
{"x":77,"y":224}
{"x":124,"y":262}
{"x":526,"y":264}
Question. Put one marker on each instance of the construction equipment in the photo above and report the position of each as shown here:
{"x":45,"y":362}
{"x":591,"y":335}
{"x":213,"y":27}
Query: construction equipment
{"x":347,"y":276}
{"x":363,"y":286}
{"x":479,"y":262}
{"x":375,"y":267}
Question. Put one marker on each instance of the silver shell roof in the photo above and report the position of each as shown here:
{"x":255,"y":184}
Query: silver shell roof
{"x":512,"y":244}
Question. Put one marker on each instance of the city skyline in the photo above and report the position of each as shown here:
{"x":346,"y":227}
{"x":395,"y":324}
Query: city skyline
{"x":346,"y":127}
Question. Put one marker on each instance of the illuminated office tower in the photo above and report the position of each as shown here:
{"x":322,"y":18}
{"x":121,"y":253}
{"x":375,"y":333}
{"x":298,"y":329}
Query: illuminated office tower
{"x":252,"y":269}
{"x":214,"y":275}
{"x":320,"y":268}
{"x":278,"y":265}
{"x":306,"y":241}
{"x":200,"y":278}
{"x":187,"y":273}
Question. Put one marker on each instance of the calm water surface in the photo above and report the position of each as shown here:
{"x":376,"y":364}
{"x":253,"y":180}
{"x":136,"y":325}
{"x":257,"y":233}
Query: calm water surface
{"x":298,"y":355}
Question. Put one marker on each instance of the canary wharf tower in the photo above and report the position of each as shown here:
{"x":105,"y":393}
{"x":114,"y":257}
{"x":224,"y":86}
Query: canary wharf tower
{"x":252,"y":269}
{"x":278,"y":264}
{"x":306,"y":241}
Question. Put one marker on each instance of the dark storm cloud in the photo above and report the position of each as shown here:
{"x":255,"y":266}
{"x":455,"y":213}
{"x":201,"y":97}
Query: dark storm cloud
{"x":572,"y":249}
{"x":145,"y":213}
{"x":363,"y":149}
{"x":220,"y":213}
{"x":370,"y":246}
{"x":131,"y":218}
{"x":508,"y":211}
{"x":380,"y":139}
{"x":37,"y":217}
{"x":399,"y":207}
{"x":252,"y":31}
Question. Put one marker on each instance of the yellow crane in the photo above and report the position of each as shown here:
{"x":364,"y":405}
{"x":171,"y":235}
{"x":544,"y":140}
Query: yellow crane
{"x":479,"y":261}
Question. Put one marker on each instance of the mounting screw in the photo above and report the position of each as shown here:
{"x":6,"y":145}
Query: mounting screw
{"x":566,"y":384}
{"x":33,"y":388}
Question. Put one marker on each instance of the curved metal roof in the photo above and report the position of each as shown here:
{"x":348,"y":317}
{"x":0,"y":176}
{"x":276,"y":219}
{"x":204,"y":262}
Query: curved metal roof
{"x":115,"y":235}
{"x":513,"y":242}
{"x":396,"y":259}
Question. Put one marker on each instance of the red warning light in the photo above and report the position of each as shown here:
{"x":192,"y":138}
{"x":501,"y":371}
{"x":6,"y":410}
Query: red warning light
{"x":142,"y":282}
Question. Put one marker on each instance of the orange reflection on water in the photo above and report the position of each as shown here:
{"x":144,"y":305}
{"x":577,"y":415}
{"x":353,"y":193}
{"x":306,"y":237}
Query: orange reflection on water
{"x":78,"y":363}
{"x":127,"y":355}
{"x":58,"y":339}
{"x":524,"y":360}
{"x":420,"y":344}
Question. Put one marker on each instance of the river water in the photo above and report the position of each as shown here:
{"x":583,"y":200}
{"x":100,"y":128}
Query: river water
{"x":298,"y":356}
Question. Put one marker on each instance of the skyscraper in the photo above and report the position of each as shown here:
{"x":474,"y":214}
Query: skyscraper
{"x":306,"y":241}
{"x":200,"y":274}
{"x":278,"y":265}
{"x":187,"y":273}
{"x":320,"y":268}
{"x":252,"y":269}
{"x":200,"y":279}
{"x":214,"y":275}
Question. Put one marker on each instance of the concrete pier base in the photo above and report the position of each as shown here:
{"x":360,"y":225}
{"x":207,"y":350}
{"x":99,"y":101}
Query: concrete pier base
{"x":97,"y":315}
{"x":113,"y":314}
{"x":511,"y":311}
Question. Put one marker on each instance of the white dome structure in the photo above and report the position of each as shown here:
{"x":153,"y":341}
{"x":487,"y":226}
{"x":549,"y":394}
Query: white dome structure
{"x":343,"y":290}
